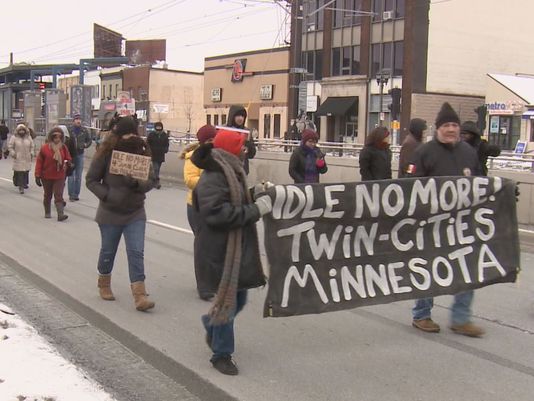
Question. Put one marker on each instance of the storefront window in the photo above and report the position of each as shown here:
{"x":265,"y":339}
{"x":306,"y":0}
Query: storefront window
{"x":215,"y":119}
{"x":223,"y":117}
{"x":208,"y":119}
{"x":276,"y":127}
{"x":266,"y":125}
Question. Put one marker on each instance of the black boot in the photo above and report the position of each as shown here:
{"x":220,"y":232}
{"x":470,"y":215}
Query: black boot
{"x":61,"y":216}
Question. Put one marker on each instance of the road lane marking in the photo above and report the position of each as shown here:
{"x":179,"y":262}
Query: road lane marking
{"x":171,"y":227}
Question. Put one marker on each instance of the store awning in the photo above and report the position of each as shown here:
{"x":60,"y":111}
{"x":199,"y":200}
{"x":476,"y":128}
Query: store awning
{"x":338,"y":106}
{"x":529,"y":114}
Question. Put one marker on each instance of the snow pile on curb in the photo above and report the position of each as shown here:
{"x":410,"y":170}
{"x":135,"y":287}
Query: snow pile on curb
{"x":32,"y":370}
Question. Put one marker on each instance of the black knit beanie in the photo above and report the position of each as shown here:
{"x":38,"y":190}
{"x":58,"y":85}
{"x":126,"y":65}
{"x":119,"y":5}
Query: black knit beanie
{"x":447,"y":115}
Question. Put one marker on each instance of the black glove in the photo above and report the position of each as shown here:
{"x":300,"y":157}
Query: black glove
{"x":38,"y":181}
{"x":517,"y":193}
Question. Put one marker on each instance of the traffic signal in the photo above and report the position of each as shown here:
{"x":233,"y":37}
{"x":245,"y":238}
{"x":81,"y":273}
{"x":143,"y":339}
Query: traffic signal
{"x":42,"y":85}
{"x":481,"y":117}
{"x":395,"y":106}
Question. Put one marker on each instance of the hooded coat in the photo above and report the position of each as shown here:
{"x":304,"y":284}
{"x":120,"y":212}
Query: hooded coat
{"x":22,"y":149}
{"x":216,"y":217}
{"x":251,"y":147}
{"x":412,"y":141}
{"x":482,"y":147}
{"x":46,"y":166}
{"x":159,"y":144}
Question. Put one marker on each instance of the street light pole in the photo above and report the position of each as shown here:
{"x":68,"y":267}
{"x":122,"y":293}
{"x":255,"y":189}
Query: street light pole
{"x":382,"y":79}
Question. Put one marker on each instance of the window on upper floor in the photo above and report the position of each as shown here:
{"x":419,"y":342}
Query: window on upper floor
{"x":345,"y":60}
{"x":345,"y":13}
{"x":313,"y":21}
{"x":395,"y":7}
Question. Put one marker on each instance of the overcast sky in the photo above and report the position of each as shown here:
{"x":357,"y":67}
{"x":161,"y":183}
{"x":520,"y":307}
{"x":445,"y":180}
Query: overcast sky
{"x":57,"y":31}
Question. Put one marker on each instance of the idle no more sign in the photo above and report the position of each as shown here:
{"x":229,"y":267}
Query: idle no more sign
{"x":339,"y":246}
{"x":123,"y":163}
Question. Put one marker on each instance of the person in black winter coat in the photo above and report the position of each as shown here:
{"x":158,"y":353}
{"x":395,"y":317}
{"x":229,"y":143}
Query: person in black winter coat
{"x":4,"y":131}
{"x":226,"y":242}
{"x":375,"y":157}
{"x":307,"y":161}
{"x":237,"y":117}
{"x":412,"y":141}
{"x":470,"y":134}
{"x":158,"y":141}
{"x":446,"y":155}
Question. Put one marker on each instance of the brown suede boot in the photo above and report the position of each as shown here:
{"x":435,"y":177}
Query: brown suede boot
{"x":104,"y":287}
{"x":426,"y":325}
{"x":468,"y":329}
{"x":140,"y":296}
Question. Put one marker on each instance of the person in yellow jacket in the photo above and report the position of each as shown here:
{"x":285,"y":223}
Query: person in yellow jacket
{"x":192,"y":174}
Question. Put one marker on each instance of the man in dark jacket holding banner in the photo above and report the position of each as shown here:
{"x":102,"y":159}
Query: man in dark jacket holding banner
{"x":446,"y":155}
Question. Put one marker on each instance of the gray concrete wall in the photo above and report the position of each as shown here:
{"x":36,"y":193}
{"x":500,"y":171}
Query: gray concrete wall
{"x":273,"y":166}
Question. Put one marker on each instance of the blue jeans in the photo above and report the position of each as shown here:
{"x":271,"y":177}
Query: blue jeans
{"x":134,"y":238}
{"x":75,"y":180}
{"x":222,"y":336}
{"x":460,"y":311}
{"x":157,"y":167}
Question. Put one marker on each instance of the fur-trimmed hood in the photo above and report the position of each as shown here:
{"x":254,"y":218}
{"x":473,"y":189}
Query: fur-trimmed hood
{"x":22,"y":127}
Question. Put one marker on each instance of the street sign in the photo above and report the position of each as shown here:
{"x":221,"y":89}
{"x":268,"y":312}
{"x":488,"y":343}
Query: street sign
{"x":382,"y":116}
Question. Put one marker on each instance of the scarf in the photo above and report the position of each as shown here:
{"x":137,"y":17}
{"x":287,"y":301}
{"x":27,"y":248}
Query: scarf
{"x":225,"y":299}
{"x":56,"y":149}
{"x":310,"y":168}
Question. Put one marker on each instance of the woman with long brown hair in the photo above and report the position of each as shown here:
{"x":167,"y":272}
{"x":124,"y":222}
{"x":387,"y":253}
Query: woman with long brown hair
{"x":375,"y":157}
{"x":121,"y":210}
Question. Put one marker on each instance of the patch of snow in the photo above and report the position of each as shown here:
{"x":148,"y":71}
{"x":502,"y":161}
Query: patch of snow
{"x":30,"y":367}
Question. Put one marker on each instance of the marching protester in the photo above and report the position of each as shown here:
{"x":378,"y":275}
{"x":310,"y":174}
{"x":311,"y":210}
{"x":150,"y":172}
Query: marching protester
{"x":375,"y":157}
{"x":158,"y":141}
{"x":21,"y":148}
{"x":226,"y":241}
{"x":121,"y":211}
{"x":446,"y":155}
{"x":4,"y":132}
{"x":471,"y":134}
{"x":413,"y":140}
{"x":191,"y":176}
{"x":50,"y":169}
{"x":237,"y":117}
{"x":307,"y":161}
{"x":79,"y":140}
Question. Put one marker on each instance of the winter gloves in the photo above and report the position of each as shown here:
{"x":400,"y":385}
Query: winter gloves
{"x":38,"y":181}
{"x":262,"y":200}
{"x":264,"y":204}
{"x":320,"y":163}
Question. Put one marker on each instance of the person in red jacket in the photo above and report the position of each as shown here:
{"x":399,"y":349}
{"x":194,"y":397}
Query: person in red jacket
{"x":50,"y":168}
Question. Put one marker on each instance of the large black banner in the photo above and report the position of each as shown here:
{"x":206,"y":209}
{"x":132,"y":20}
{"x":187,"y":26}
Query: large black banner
{"x":339,"y":246}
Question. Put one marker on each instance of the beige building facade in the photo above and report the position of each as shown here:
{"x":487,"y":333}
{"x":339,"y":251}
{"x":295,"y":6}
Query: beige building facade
{"x":258,"y":80}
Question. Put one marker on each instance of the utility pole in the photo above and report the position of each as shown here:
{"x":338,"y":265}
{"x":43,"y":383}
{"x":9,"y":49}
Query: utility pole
{"x":295,"y":52}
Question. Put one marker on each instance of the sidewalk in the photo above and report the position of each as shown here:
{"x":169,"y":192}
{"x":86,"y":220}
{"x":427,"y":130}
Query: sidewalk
{"x":31,"y":367}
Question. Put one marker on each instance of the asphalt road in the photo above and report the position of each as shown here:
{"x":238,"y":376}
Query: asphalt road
{"x":369,"y":353}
